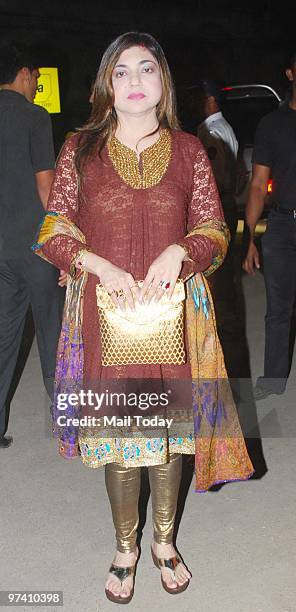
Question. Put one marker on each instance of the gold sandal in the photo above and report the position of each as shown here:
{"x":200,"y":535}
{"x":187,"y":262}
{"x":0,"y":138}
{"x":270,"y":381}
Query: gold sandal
{"x":171,"y":564}
{"x":122,"y":573}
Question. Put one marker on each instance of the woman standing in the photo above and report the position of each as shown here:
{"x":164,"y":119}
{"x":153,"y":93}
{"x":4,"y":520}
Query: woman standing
{"x":134,"y":199}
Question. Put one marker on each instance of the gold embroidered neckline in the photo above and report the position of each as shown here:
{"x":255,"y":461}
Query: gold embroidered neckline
{"x":154,"y":161}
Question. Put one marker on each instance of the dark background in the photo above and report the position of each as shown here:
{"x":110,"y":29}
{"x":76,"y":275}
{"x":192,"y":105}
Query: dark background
{"x":235,"y":42}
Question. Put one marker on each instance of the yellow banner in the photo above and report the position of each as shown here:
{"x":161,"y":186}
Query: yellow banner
{"x":48,"y":93}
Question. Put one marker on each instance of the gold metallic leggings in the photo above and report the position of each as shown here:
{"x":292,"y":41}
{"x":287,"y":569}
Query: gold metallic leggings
{"x":123,"y":487}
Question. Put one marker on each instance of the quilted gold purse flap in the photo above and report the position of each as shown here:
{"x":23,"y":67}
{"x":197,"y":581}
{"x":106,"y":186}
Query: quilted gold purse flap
{"x":152,"y":334}
{"x":144,"y":313}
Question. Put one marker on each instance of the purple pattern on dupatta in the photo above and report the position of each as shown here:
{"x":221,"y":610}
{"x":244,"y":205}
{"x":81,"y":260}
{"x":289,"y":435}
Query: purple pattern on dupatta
{"x":68,"y":379}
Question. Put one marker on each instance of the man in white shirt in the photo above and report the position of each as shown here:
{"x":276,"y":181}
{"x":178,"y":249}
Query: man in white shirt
{"x":219,"y":140}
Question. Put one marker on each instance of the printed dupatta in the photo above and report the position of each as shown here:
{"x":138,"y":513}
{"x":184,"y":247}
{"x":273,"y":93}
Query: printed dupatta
{"x":70,"y":353}
{"x":220,"y":451}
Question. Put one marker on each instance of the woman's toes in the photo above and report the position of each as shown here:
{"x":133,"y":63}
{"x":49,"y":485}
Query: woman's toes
{"x":172,"y":584}
{"x":122,"y":590}
{"x":113,"y":586}
{"x":169,"y":580}
{"x":181,"y":580}
{"x":182,"y":576}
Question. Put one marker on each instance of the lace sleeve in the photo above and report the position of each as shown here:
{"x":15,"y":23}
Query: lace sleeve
{"x":205,"y":206}
{"x":61,"y":250}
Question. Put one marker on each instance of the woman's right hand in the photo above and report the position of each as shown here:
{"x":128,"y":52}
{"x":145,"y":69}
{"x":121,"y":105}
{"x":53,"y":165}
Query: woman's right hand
{"x":115,"y":280}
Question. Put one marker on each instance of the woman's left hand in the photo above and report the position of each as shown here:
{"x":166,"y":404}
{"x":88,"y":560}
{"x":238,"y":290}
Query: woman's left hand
{"x":164,"y":270}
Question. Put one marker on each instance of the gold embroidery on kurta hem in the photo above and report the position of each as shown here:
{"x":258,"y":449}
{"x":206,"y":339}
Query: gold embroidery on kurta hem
{"x":155,"y":160}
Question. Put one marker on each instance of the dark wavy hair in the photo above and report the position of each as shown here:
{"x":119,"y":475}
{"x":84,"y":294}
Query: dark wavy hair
{"x":13,"y":57}
{"x":102,"y":124}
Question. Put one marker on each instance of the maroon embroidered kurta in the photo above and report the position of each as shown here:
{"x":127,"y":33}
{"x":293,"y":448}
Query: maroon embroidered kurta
{"x":130,"y":227}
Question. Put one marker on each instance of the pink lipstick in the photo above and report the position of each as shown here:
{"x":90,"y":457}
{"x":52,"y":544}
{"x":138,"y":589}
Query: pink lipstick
{"x":136,"y":96}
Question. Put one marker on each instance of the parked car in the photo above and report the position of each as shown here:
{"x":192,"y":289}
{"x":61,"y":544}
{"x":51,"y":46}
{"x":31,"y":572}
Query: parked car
{"x":243,"y":106}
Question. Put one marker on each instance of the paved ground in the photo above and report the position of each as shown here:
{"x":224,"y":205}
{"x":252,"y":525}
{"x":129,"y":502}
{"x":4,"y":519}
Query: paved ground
{"x":239,"y":542}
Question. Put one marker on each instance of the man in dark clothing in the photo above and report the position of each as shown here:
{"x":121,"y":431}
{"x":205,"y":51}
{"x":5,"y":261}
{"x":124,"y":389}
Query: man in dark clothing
{"x":26,"y":174}
{"x":275,"y":156}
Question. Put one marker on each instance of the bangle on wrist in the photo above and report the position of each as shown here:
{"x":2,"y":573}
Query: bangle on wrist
{"x":78,"y":262}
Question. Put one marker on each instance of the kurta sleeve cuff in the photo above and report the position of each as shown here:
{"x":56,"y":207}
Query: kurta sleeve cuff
{"x":61,"y":250}
{"x":200,"y":252}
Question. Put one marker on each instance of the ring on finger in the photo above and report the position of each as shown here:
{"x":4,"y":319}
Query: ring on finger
{"x":164,"y":285}
{"x":120,"y":293}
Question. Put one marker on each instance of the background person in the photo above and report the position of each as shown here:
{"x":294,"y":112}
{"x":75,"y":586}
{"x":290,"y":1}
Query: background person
{"x":26,"y":174}
{"x":220,"y":142}
{"x":127,"y":191}
{"x":274,"y":156}
{"x":221,"y":145}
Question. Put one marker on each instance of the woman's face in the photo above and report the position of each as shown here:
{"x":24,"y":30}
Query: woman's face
{"x":136,"y":82}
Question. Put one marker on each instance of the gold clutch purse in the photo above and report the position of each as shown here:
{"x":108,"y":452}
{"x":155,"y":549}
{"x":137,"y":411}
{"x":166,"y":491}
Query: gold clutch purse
{"x":153,"y":334}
